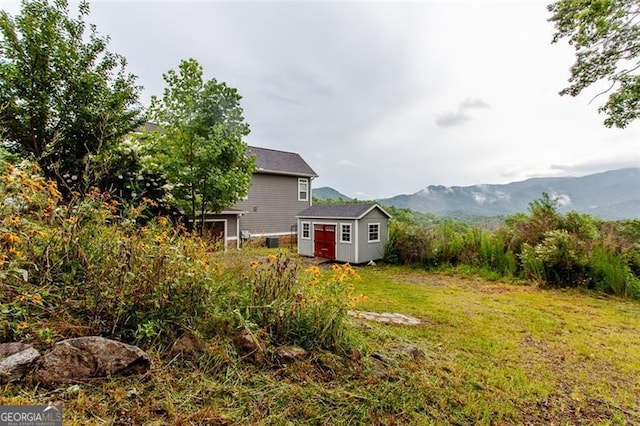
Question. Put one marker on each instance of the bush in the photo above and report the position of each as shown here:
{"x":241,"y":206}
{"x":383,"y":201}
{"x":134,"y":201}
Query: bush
{"x":80,"y":268}
{"x":305,"y":308}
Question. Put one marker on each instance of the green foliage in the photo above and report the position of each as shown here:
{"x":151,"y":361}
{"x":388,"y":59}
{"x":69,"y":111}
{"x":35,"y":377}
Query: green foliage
{"x":65,"y":97}
{"x":574,"y":250}
{"x":87,"y":267}
{"x":82,"y":264}
{"x":199,"y":147}
{"x":606,"y":37}
{"x":306,"y":308}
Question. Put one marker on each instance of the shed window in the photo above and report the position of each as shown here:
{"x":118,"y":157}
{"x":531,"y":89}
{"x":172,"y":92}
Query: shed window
{"x":306,"y":230}
{"x":303,"y":190}
{"x":374,"y":232}
{"x":345,"y":232}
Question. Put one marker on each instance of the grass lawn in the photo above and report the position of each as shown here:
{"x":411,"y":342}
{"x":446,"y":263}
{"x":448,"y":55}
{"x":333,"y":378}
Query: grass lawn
{"x":494,"y":353}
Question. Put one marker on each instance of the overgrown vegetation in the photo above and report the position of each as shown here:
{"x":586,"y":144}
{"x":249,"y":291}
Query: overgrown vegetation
{"x":572,"y":250}
{"x":85,"y":268}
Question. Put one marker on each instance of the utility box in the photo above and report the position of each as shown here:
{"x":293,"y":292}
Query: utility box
{"x":273,"y":242}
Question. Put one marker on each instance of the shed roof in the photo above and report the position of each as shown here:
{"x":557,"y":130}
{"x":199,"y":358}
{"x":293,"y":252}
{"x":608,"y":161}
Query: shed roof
{"x":280,"y":162}
{"x":340,"y":211}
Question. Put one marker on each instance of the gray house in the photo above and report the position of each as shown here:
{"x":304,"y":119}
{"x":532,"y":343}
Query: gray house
{"x":354,"y":233}
{"x":280,"y":189}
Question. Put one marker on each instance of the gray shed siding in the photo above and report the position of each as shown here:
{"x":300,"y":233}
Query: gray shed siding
{"x":272,"y":204}
{"x":372,"y":251}
{"x":346,"y":252}
{"x":305,"y":245}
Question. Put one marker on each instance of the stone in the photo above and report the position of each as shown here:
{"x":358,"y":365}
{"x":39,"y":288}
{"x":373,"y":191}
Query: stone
{"x":407,"y":350}
{"x":15,"y":361}
{"x":385,"y":317}
{"x":291,"y":353}
{"x":187,"y":345}
{"x":84,"y":358}
{"x":249,"y":346}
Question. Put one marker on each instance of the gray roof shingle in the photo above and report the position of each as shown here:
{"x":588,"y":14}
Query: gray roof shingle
{"x":281,"y":162}
{"x":340,"y":211}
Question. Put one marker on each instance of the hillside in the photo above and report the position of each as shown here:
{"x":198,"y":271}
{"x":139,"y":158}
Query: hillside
{"x":610,"y":195}
{"x":326,"y":193}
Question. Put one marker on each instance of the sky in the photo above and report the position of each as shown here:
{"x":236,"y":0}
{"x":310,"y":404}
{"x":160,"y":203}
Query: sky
{"x":384,"y":98}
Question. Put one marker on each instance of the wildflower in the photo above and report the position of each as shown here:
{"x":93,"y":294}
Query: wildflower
{"x":254,"y":264}
{"x":72,"y":219}
{"x":163,"y":221}
{"x":272,"y":257}
{"x":14,"y":220}
{"x":23,"y":325}
{"x":10,"y":239}
{"x":149,"y":201}
{"x":36,"y":299}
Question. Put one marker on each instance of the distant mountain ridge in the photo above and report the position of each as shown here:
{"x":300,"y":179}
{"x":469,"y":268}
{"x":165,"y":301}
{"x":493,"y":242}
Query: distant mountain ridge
{"x":326,"y":193}
{"x":611,"y":195}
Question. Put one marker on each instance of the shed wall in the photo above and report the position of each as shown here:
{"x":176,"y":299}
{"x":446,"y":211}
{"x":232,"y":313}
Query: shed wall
{"x":372,"y":251}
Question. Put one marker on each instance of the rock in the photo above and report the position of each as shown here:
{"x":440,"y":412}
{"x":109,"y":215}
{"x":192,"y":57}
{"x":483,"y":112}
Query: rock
{"x":85,"y":358}
{"x":249,"y":346}
{"x":407,"y":350}
{"x":291,"y":353}
{"x":380,"y":369}
{"x":188,"y":344}
{"x":385,"y":317}
{"x":15,"y":360}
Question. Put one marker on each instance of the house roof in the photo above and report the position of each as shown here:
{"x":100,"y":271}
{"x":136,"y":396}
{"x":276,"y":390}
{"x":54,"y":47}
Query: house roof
{"x":340,"y":211}
{"x":280,"y":162}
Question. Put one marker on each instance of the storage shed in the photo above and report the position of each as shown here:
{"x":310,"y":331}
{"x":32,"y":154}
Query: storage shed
{"x":354,"y":233}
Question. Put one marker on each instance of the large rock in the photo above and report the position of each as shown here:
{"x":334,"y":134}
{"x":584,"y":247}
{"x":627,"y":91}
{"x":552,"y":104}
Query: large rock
{"x":250,"y":346}
{"x":15,"y":360}
{"x":84,"y":358}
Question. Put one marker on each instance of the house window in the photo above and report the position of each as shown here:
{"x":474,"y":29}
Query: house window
{"x":374,"y":232}
{"x":345,"y":233}
{"x":303,"y":190}
{"x":306,"y":230}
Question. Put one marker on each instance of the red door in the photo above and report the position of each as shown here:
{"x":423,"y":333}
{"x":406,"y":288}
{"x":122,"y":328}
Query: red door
{"x":324,"y":241}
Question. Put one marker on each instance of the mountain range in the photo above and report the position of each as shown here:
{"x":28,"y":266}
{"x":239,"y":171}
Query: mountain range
{"x":611,"y":195}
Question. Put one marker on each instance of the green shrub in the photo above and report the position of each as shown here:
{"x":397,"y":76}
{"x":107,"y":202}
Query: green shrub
{"x":79,"y":268}
{"x":305,"y":308}
{"x":611,"y":274}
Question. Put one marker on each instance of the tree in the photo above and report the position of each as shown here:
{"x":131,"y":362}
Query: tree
{"x":65,"y":96}
{"x":606,"y":37}
{"x":199,"y":146}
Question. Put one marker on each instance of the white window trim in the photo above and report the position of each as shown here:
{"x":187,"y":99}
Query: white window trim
{"x":302,"y":224}
{"x":369,"y":232}
{"x":306,"y":181}
{"x":350,"y":233}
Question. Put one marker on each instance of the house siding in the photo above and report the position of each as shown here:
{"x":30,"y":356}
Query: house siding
{"x":272,"y":204}
{"x":372,"y":251}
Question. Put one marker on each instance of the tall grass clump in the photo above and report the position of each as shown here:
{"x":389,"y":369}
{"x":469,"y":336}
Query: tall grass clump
{"x":301,"y":307}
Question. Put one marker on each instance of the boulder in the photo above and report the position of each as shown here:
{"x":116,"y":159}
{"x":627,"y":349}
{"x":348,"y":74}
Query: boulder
{"x":291,"y":353}
{"x":250,"y":346}
{"x":408,"y":351}
{"x":85,"y":358}
{"x":15,"y":361}
{"x":187,"y":345}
